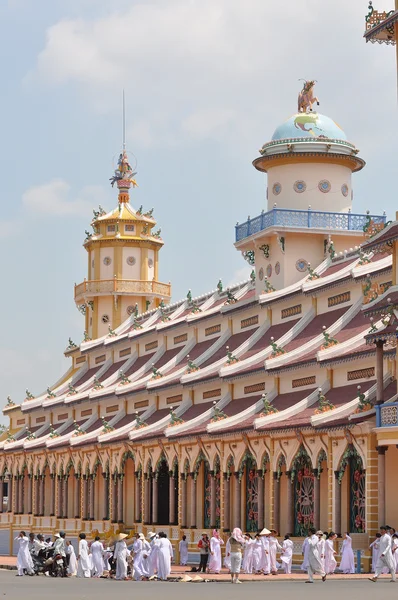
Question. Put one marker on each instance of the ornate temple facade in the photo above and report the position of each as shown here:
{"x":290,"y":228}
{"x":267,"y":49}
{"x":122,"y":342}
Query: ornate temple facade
{"x":258,"y":404}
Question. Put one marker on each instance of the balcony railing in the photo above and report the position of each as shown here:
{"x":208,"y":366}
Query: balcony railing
{"x":310,"y":219}
{"x":121,"y":286}
{"x":387,"y":414}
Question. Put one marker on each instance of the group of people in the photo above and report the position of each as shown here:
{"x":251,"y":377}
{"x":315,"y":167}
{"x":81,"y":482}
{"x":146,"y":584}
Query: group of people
{"x":385,"y":553}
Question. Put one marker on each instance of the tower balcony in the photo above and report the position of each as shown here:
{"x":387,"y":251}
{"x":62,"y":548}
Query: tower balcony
{"x":316,"y":221}
{"x":133,"y":287}
{"x":387,"y":414}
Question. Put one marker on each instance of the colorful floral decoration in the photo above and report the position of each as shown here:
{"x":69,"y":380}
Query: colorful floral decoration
{"x":268,"y":409}
{"x":371,"y":228}
{"x":78,"y":430}
{"x":28,"y":395}
{"x":191,"y":368}
{"x":268,"y":287}
{"x":139,"y":424}
{"x":111,"y":332}
{"x":301,"y":265}
{"x":277,"y":268}
{"x":231,"y":358}
{"x":124,"y":380}
{"x":302,"y":477}
{"x":299,"y":186}
{"x":50,"y":393}
{"x":174,"y":420}
{"x":248,"y":468}
{"x":97,"y":384}
{"x":250,"y":256}
{"x":311,"y":273}
{"x":344,"y":190}
{"x":106,"y":428}
{"x":324,"y":186}
{"x":53,"y":434}
{"x":230,"y":298}
{"x":328,"y":340}
{"x":71,"y":344}
{"x":195,"y":309}
{"x":156,"y":374}
{"x":276,"y":350}
{"x":10,"y":402}
{"x":218,"y":414}
{"x":364,"y":404}
{"x":323,"y":404}
{"x":370,"y":290}
{"x":30,"y":435}
{"x":364,"y":259}
{"x":71,"y":390}
{"x":276,"y":189}
{"x":269,"y":270}
{"x":265,"y":249}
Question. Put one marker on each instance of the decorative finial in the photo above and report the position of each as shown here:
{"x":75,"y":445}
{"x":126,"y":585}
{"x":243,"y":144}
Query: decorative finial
{"x":306,"y":97}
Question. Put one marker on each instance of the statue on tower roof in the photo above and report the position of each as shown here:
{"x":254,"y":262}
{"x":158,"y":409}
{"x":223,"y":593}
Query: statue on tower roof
{"x":306,"y":97}
{"x":124,"y":174}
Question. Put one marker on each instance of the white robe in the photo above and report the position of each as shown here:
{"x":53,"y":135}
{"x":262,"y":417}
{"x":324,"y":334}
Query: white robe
{"x":83,"y":566}
{"x":227,"y":557}
{"x":72,"y":567}
{"x":139,"y":562}
{"x":247,"y":562}
{"x":375,"y":553}
{"x":266,"y":566}
{"x":165,"y":556}
{"x":258,"y":556}
{"x":394,"y":549}
{"x":287,"y":555}
{"x":385,"y":558}
{"x":305,"y":550}
{"x":120,"y":556}
{"x":273,"y":547}
{"x":314,"y":560}
{"x":24,"y":558}
{"x":347,"y":564}
{"x":153,"y":557}
{"x":215,"y":557}
{"x":183,"y":548}
{"x":97,"y":551}
{"x":321,"y":549}
{"x":330,"y":561}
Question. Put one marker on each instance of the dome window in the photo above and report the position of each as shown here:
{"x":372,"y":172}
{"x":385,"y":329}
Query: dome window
{"x":324,"y":186}
{"x":276,"y":189}
{"x":299,"y":186}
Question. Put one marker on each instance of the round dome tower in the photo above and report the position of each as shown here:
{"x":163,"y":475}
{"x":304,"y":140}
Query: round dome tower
{"x":309,"y":162}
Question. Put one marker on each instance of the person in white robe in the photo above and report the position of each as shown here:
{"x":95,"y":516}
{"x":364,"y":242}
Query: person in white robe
{"x":72,"y":566}
{"x":146,"y":555}
{"x":83,"y":560}
{"x":153,"y":553}
{"x":165,"y":556}
{"x":375,"y":550}
{"x":258,"y":555}
{"x":287,"y":554}
{"x":347,"y":563}
{"x":97,"y":551}
{"x":215,"y":552}
{"x":120,"y":555}
{"x":314,"y":560}
{"x":330,"y":561}
{"x":321,"y":548}
{"x":394,"y":549}
{"x":247,"y":560}
{"x":140,"y":571}
{"x":24,"y":558}
{"x":385,"y":558}
{"x":227,"y":557}
{"x":183,"y":549}
{"x":274,"y":547}
{"x":304,"y":551}
{"x":107,"y":555}
{"x":266,"y":566}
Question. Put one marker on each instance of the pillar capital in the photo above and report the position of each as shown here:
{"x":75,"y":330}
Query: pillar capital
{"x":381,"y":449}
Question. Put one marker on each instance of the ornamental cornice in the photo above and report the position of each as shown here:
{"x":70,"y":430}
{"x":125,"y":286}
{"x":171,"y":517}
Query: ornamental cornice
{"x":111,"y":241}
{"x":353,"y":162}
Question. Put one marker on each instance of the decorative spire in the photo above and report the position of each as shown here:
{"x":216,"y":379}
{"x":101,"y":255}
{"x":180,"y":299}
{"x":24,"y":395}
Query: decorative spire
{"x":124,"y":173}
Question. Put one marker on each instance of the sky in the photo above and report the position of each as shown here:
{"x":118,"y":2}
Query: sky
{"x":206,"y":83}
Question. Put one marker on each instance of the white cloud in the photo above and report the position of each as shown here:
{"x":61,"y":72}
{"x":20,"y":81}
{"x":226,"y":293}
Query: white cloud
{"x":54,"y":199}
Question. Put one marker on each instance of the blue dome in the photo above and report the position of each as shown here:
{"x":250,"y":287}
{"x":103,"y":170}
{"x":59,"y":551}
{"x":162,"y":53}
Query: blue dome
{"x":309,"y":125}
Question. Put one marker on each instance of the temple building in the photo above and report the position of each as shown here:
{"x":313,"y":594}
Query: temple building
{"x":270,"y":402}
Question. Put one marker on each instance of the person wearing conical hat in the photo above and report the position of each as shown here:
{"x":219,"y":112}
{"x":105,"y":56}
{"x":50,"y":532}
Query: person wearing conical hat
{"x":165,"y":556}
{"x":120,"y":556}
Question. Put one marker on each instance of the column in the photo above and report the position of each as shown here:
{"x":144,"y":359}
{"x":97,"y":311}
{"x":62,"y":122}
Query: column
{"x":10,"y":494}
{"x":289,"y":504}
{"x":337,"y":503}
{"x":20,"y":495}
{"x":85,"y":497}
{"x":29,"y":500}
{"x":77,"y":496}
{"x":226,"y":502}
{"x":260,"y":499}
{"x":147,"y":482}
{"x":381,"y":484}
{"x":106,"y":496}
{"x":155,"y":493}
{"x":193,"y":500}
{"x":37,"y":496}
{"x":120,"y":499}
{"x":114,"y":499}
{"x":59,"y":497}
{"x":172,"y":499}
{"x":52,"y":497}
{"x":1,"y":493}
{"x":41,"y":495}
{"x":183,"y":484}
{"x":379,"y":372}
{"x":137,"y":497}
{"x":276,"y":501}
{"x":237,"y":501}
{"x":91,"y":506}
{"x":317,"y":499}
{"x":212,"y":500}
{"x":66,"y":507}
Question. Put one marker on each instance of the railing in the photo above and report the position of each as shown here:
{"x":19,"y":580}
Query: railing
{"x":121,"y":286}
{"x":285,"y":217}
{"x":387,"y":414}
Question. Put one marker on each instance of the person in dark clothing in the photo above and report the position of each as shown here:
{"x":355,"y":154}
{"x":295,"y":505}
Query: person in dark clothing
{"x":204,"y":549}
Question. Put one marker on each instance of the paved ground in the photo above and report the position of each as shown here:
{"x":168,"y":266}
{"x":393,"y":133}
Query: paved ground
{"x":37,"y":588}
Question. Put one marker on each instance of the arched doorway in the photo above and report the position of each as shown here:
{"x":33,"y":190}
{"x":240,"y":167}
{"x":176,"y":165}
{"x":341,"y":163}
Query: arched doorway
{"x":163,"y":477}
{"x":302,"y":476}
{"x":352,"y":475}
{"x":248,"y":474}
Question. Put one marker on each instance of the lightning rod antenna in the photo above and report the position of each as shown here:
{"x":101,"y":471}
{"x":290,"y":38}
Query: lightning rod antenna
{"x":124,"y":123}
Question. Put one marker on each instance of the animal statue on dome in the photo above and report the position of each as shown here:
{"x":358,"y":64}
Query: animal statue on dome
{"x":306,"y":97}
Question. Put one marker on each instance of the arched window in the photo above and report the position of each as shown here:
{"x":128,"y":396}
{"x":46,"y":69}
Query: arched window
{"x":303,"y":480}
